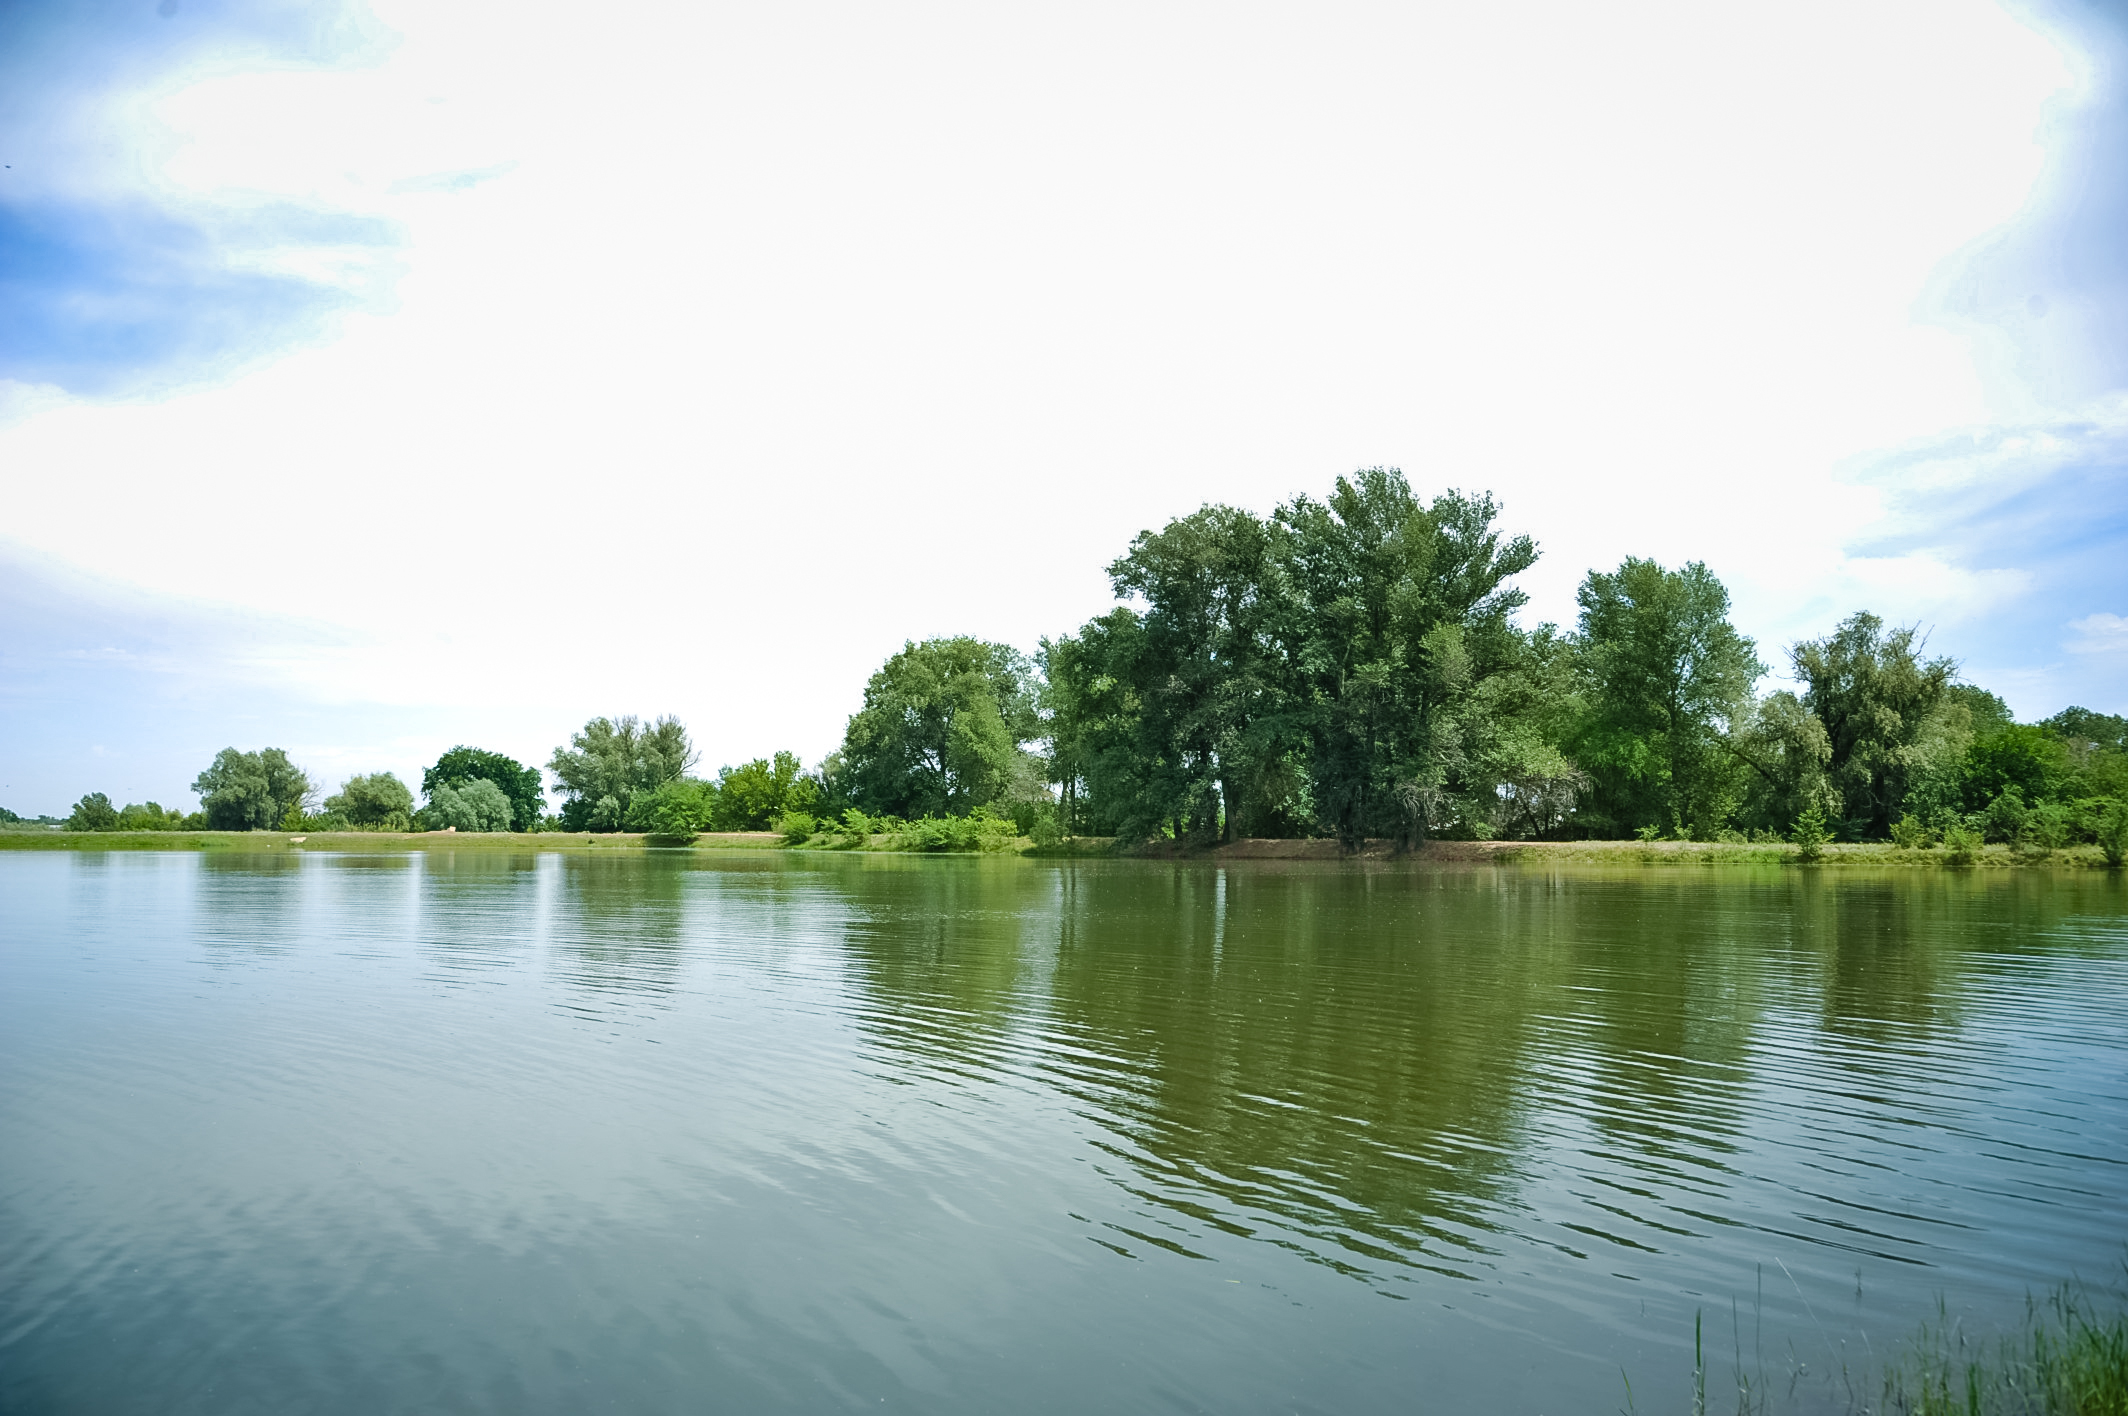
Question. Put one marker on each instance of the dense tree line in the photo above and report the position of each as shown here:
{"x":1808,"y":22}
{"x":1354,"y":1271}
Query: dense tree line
{"x":1350,"y":667}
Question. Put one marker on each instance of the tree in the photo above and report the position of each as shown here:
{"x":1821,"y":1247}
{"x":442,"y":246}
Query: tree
{"x":473,"y":805}
{"x":1213,"y":724}
{"x":521,"y":784}
{"x":1875,"y":696}
{"x":1397,"y":624}
{"x":377,"y":802}
{"x":754,"y":795}
{"x":1670,"y":678}
{"x":609,"y":761}
{"x":1785,"y":747}
{"x":941,"y":731}
{"x":251,"y":791}
{"x":93,"y":812}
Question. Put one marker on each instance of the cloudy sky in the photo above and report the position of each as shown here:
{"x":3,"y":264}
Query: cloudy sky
{"x":377,"y":378}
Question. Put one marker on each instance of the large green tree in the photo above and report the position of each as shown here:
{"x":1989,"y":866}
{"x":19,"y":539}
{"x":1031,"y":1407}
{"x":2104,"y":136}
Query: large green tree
{"x":1213,"y":721}
{"x":1875,"y":695}
{"x":1669,"y":680}
{"x":612,"y":759}
{"x":942,"y":731}
{"x":251,"y":791}
{"x":520,"y":784}
{"x":1401,"y":640}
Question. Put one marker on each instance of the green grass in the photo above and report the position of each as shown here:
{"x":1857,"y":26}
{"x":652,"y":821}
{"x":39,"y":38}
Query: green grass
{"x":2068,"y":1357}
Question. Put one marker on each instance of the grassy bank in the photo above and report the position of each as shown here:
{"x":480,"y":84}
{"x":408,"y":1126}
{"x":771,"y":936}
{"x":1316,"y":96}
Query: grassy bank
{"x":1536,"y":853}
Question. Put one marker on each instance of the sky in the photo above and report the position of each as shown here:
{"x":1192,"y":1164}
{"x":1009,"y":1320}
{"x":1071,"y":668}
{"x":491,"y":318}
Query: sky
{"x":376,"y":378}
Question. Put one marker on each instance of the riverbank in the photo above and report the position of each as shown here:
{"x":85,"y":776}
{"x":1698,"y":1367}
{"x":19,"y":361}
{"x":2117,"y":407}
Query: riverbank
{"x":1537,"y":853}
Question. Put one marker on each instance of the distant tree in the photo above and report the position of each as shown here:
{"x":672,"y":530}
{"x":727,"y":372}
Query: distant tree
{"x":1875,"y":695}
{"x":941,"y":731}
{"x":521,"y":784}
{"x":1670,"y":678}
{"x":611,"y":760}
{"x":475,"y":805}
{"x":93,"y":812}
{"x":680,"y":807}
{"x":754,"y":795}
{"x":251,"y":791}
{"x":8,"y":818}
{"x":377,"y":802}
{"x":149,"y":817}
{"x":2080,"y":727}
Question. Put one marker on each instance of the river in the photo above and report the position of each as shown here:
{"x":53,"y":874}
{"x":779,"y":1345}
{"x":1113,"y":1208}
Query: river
{"x":765,"y":1132}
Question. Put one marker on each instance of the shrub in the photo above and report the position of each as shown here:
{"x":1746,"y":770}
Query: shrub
{"x":797,"y":827}
{"x":1910,"y":833}
{"x":2113,"y":833}
{"x":1962,"y":845}
{"x":1810,"y":835}
{"x":2006,"y":816}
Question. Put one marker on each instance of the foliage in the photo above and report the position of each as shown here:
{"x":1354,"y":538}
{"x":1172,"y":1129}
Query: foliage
{"x":1962,"y":844}
{"x":519,"y":783}
{"x":377,"y":802}
{"x":93,"y":812}
{"x":941,"y":731}
{"x":474,"y":805}
{"x":2067,"y":1360}
{"x":1911,"y":833}
{"x":1810,"y":834}
{"x":1874,"y":695}
{"x":2112,"y":833}
{"x":252,"y":791}
{"x":609,"y":761}
{"x":679,"y":808}
{"x":1347,"y":666}
{"x":1670,"y":679}
{"x":796,"y":827}
{"x":753,"y":795}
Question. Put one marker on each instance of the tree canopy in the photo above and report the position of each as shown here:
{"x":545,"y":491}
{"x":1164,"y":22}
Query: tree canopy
{"x":378,"y":801}
{"x":612,"y":759}
{"x":252,"y":791}
{"x":941,"y":732}
{"x":520,"y":784}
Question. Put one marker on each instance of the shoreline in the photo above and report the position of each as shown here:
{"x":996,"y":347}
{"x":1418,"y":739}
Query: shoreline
{"x":1497,"y":853}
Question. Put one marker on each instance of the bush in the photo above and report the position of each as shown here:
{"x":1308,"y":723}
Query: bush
{"x":1810,"y":835}
{"x":2113,"y":833}
{"x":797,"y":827}
{"x":1910,"y":833}
{"x":680,"y":807}
{"x":2006,"y":817}
{"x":1962,"y":845}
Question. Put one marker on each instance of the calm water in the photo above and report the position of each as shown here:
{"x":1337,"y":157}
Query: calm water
{"x":565,"y":1133}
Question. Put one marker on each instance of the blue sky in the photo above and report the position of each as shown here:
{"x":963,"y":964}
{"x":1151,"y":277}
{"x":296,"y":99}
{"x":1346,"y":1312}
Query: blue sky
{"x":375,"y":378}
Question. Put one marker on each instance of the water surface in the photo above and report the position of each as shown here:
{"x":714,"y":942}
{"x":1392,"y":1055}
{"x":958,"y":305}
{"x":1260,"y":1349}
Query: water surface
{"x":659,"y":1132}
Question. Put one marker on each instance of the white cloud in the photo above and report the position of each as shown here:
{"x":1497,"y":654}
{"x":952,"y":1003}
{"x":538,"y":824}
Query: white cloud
{"x":2101,"y":633}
